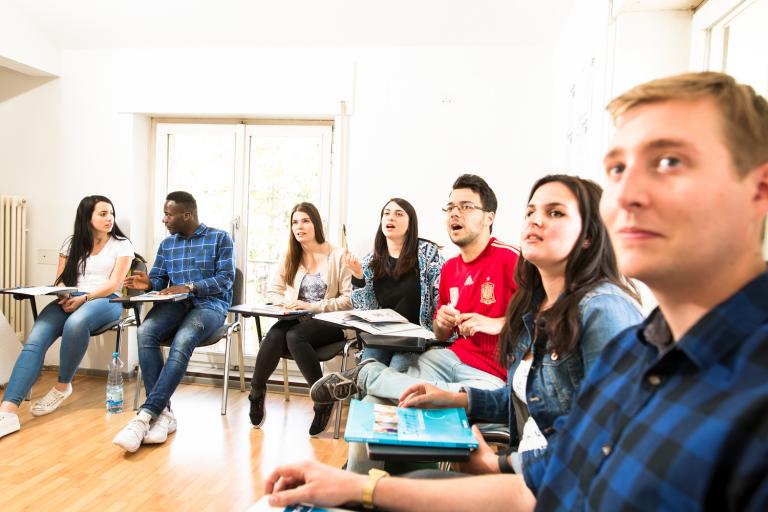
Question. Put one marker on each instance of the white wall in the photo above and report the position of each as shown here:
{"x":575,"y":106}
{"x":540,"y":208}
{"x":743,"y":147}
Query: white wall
{"x":419,"y":118}
{"x":23,"y":47}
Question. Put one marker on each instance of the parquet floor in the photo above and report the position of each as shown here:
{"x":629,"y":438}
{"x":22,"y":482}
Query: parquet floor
{"x":66,"y":462}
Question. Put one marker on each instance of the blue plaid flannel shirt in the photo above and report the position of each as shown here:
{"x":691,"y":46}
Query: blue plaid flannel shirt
{"x":663,"y":426}
{"x":206,"y":259}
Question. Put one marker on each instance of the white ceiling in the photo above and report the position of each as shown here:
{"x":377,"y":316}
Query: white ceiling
{"x":293,"y":23}
{"x":650,"y":5}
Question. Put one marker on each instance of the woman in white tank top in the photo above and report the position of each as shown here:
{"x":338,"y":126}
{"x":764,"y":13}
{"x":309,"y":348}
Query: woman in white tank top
{"x":95,"y":259}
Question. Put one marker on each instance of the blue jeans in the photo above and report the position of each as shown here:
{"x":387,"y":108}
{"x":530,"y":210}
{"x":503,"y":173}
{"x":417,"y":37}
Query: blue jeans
{"x":188,"y":326}
{"x":399,"y":361}
{"x":439,"y":367}
{"x":75,"y":330}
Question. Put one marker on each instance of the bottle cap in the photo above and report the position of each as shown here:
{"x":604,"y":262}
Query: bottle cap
{"x":115,"y":354}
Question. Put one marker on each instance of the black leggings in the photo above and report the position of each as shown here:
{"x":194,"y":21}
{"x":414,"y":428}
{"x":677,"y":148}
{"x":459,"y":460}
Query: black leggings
{"x":299,"y":339}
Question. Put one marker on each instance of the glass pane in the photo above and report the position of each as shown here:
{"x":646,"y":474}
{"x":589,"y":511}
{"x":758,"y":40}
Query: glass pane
{"x":746,"y":32}
{"x":203,"y":164}
{"x":201,"y":161}
{"x":284,"y":169}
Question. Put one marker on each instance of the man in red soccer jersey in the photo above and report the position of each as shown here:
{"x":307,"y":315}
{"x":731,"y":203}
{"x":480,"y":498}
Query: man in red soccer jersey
{"x":475,"y":289}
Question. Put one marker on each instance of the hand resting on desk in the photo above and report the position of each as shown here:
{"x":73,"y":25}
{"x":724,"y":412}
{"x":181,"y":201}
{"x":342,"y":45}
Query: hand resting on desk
{"x":427,"y":396}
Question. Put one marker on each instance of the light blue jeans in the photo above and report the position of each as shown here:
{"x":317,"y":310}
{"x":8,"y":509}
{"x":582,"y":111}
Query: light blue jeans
{"x":440,"y":367}
{"x":399,"y":361}
{"x":188,"y":326}
{"x":75,"y":330}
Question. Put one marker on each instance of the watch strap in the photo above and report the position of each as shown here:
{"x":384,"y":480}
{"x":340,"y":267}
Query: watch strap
{"x":504,"y":465}
{"x":374,"y":475}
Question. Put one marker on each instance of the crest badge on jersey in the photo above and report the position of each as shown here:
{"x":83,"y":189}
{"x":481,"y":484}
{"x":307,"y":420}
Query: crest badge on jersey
{"x":486,"y":293}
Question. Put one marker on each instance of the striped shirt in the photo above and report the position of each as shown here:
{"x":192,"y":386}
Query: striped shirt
{"x":205,"y":259}
{"x":669,"y":426}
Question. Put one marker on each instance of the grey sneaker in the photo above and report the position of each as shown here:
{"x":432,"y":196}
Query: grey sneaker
{"x":337,"y":385}
{"x":51,"y":401}
{"x":160,"y":428}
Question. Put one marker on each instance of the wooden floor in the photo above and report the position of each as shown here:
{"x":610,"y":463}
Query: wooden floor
{"x":66,"y":461}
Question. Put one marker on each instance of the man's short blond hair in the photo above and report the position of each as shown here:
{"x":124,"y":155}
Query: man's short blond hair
{"x":744,"y":112}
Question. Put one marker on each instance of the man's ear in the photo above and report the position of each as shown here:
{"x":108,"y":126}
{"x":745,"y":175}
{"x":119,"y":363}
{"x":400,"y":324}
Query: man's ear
{"x":490,"y":218}
{"x":760,"y":180}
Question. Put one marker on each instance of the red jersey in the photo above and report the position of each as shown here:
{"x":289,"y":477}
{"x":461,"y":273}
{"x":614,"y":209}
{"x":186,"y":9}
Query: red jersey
{"x":485,"y":286}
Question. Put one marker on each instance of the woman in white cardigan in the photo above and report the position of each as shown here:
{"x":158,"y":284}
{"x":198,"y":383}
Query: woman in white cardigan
{"x":312,"y":277}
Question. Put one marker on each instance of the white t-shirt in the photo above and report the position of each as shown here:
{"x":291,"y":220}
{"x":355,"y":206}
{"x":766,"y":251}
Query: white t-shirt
{"x":99,"y":267}
{"x":532,"y":438}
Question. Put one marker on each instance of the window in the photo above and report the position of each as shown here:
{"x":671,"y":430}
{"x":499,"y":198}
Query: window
{"x":728,"y":36}
{"x":246,"y":179}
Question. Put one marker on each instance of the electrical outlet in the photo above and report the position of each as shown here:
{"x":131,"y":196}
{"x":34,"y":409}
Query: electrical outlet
{"x":47,"y":257}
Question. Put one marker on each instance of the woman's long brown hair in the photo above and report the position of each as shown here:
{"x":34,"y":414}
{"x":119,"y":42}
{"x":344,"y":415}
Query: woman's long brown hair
{"x":295,"y":252}
{"x":589,"y":265}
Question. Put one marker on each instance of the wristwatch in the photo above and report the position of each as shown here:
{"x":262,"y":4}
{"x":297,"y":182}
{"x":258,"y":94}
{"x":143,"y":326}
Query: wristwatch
{"x":191,"y":287}
{"x":374,"y":475}
{"x":504,"y":465}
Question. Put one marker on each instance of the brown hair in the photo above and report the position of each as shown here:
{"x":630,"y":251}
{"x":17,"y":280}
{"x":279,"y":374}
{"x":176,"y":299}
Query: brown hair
{"x":295,"y":252}
{"x":589,"y":265}
{"x":744,"y":112}
{"x":408,"y":259}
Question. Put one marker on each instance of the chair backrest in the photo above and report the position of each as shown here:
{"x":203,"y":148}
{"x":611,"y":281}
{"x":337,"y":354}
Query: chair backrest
{"x":238,"y":288}
{"x":140,"y":264}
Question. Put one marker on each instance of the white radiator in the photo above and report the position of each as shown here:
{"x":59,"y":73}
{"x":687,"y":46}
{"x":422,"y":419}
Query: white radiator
{"x":13,"y":252}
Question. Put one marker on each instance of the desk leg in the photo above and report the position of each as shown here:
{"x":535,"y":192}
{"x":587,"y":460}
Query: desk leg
{"x":286,"y":387}
{"x":240,"y":349}
{"x":33,"y":305}
{"x":258,"y":328}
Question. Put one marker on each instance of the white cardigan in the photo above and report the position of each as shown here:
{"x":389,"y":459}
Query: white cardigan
{"x":335,"y":275}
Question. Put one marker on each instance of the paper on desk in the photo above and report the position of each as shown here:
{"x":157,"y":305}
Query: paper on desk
{"x":351,"y":319}
{"x":41,"y":290}
{"x":274,"y":310}
{"x":157,"y":297}
{"x":263,"y":506}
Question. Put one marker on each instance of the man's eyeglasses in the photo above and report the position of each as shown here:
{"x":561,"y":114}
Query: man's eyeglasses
{"x":461,"y":207}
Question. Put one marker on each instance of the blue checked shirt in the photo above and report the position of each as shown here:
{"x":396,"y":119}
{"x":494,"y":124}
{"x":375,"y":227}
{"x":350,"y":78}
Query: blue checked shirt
{"x":663,"y":426}
{"x":205,"y":259}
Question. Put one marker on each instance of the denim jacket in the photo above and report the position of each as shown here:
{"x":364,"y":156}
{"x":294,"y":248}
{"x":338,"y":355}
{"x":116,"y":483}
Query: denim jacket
{"x":554,"y":379}
{"x":430,"y":262}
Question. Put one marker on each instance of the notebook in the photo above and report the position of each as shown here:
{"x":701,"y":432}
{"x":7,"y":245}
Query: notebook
{"x":387,"y":424}
{"x":157,"y":297}
{"x":375,"y":321}
{"x":40,"y":290}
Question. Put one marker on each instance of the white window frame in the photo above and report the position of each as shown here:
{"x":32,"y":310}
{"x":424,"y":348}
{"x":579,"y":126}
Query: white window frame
{"x":332,"y":203}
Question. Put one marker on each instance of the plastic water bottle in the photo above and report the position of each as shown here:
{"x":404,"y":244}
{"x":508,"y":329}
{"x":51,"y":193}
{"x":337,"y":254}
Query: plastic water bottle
{"x":115,"y":385}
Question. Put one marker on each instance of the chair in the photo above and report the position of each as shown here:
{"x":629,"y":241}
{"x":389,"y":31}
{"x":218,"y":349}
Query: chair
{"x":119,"y":325}
{"x":224,"y":332}
{"x":324,"y":354}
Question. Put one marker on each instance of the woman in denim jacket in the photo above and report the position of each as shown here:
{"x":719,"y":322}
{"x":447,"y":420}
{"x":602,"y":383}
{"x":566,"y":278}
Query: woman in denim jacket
{"x":571,"y":301}
{"x":402,"y":273}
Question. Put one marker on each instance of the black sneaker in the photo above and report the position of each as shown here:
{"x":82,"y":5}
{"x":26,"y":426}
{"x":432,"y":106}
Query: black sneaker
{"x":337,"y":386}
{"x":257,"y":413}
{"x":320,"y":421}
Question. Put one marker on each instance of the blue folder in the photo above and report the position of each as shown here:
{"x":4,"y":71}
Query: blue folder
{"x":446,"y":428}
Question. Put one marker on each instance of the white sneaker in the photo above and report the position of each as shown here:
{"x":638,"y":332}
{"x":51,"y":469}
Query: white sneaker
{"x":9,"y":423}
{"x":51,"y":401}
{"x":133,"y":433}
{"x":162,"y":426}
